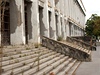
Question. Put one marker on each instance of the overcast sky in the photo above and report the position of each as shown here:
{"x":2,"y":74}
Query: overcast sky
{"x":92,"y":7}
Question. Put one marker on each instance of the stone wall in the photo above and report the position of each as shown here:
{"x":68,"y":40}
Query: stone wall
{"x":86,"y":39}
{"x":81,"y":43}
{"x":65,"y":49}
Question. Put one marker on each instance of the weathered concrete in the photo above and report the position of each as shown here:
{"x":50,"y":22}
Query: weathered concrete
{"x":35,"y":32}
{"x":59,"y":26}
{"x":36,"y":61}
{"x":40,"y":20}
{"x":17,"y":22}
{"x":90,"y":68}
{"x":52,"y":26}
{"x":45,"y":20}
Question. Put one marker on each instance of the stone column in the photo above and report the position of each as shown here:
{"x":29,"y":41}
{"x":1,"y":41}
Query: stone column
{"x":63,"y":27}
{"x":59,"y":26}
{"x":33,"y":21}
{"x":17,"y":22}
{"x":45,"y":19}
{"x":52,"y":24}
{"x":68,"y":29}
{"x":74,"y":30}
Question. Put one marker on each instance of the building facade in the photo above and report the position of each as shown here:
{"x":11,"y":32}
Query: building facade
{"x":25,"y":21}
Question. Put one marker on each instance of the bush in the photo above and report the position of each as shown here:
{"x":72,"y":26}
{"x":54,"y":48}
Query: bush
{"x":36,"y":45}
{"x":59,"y":38}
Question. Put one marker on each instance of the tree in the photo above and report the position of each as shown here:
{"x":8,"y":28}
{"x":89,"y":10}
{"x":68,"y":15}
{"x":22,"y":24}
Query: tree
{"x":93,"y":26}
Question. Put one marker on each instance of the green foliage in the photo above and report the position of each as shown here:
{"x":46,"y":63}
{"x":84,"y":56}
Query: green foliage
{"x":93,"y":26}
{"x":59,"y":38}
{"x":36,"y":45}
{"x":27,"y":48}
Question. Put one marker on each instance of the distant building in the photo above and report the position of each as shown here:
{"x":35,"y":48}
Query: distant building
{"x":26,"y":20}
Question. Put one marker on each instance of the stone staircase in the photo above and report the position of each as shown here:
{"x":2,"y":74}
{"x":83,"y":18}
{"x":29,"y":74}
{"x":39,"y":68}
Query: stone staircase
{"x":37,"y":61}
{"x":68,"y":49}
{"x":55,"y":58}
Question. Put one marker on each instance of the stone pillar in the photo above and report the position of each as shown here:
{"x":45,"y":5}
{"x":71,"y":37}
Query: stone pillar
{"x":59,"y":26}
{"x":33,"y":27}
{"x":45,"y":19}
{"x":52,"y":24}
{"x":74,"y":30}
{"x":68,"y":29}
{"x":17,"y":22}
{"x":65,"y":29}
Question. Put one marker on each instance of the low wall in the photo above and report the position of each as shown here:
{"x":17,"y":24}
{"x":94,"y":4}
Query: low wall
{"x":80,"y":43}
{"x":65,"y":49}
{"x":86,"y":39}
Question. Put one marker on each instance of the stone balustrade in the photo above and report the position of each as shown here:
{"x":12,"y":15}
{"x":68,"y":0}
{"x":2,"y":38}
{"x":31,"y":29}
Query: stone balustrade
{"x":80,"y":43}
{"x":86,"y":41}
{"x":65,"y":49}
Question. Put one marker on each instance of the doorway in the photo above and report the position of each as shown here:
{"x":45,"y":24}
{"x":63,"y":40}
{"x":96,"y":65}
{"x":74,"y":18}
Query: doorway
{"x":5,"y":24}
{"x":56,"y":19}
{"x":26,"y":27}
{"x":50,"y":28}
{"x":42,"y":28}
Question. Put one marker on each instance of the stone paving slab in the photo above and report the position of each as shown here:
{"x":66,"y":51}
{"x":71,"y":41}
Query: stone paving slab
{"x":90,"y":68}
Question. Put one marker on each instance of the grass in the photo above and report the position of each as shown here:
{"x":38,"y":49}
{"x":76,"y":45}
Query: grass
{"x":36,"y":45}
{"x":27,"y":48}
{"x":11,"y":58}
{"x":59,"y":38}
{"x":24,"y":63}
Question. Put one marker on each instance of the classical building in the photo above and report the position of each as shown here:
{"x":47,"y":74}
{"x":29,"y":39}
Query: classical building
{"x":26,"y":20}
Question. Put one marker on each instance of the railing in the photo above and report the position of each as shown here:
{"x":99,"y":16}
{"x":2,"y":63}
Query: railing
{"x":80,"y":43}
{"x":65,"y":49}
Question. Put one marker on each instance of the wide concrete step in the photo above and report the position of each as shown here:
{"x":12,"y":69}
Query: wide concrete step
{"x":73,"y":69}
{"x":60,"y":67}
{"x":65,"y":70}
{"x":26,"y":57}
{"x":48,"y":66}
{"x":31,"y":65}
{"x":21,"y":63}
{"x":10,"y":50}
{"x":19,"y":52}
{"x":21,"y":55}
{"x":39,"y":61}
{"x":6,"y":54}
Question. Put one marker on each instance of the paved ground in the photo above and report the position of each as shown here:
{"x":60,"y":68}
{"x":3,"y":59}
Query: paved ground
{"x":91,"y":68}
